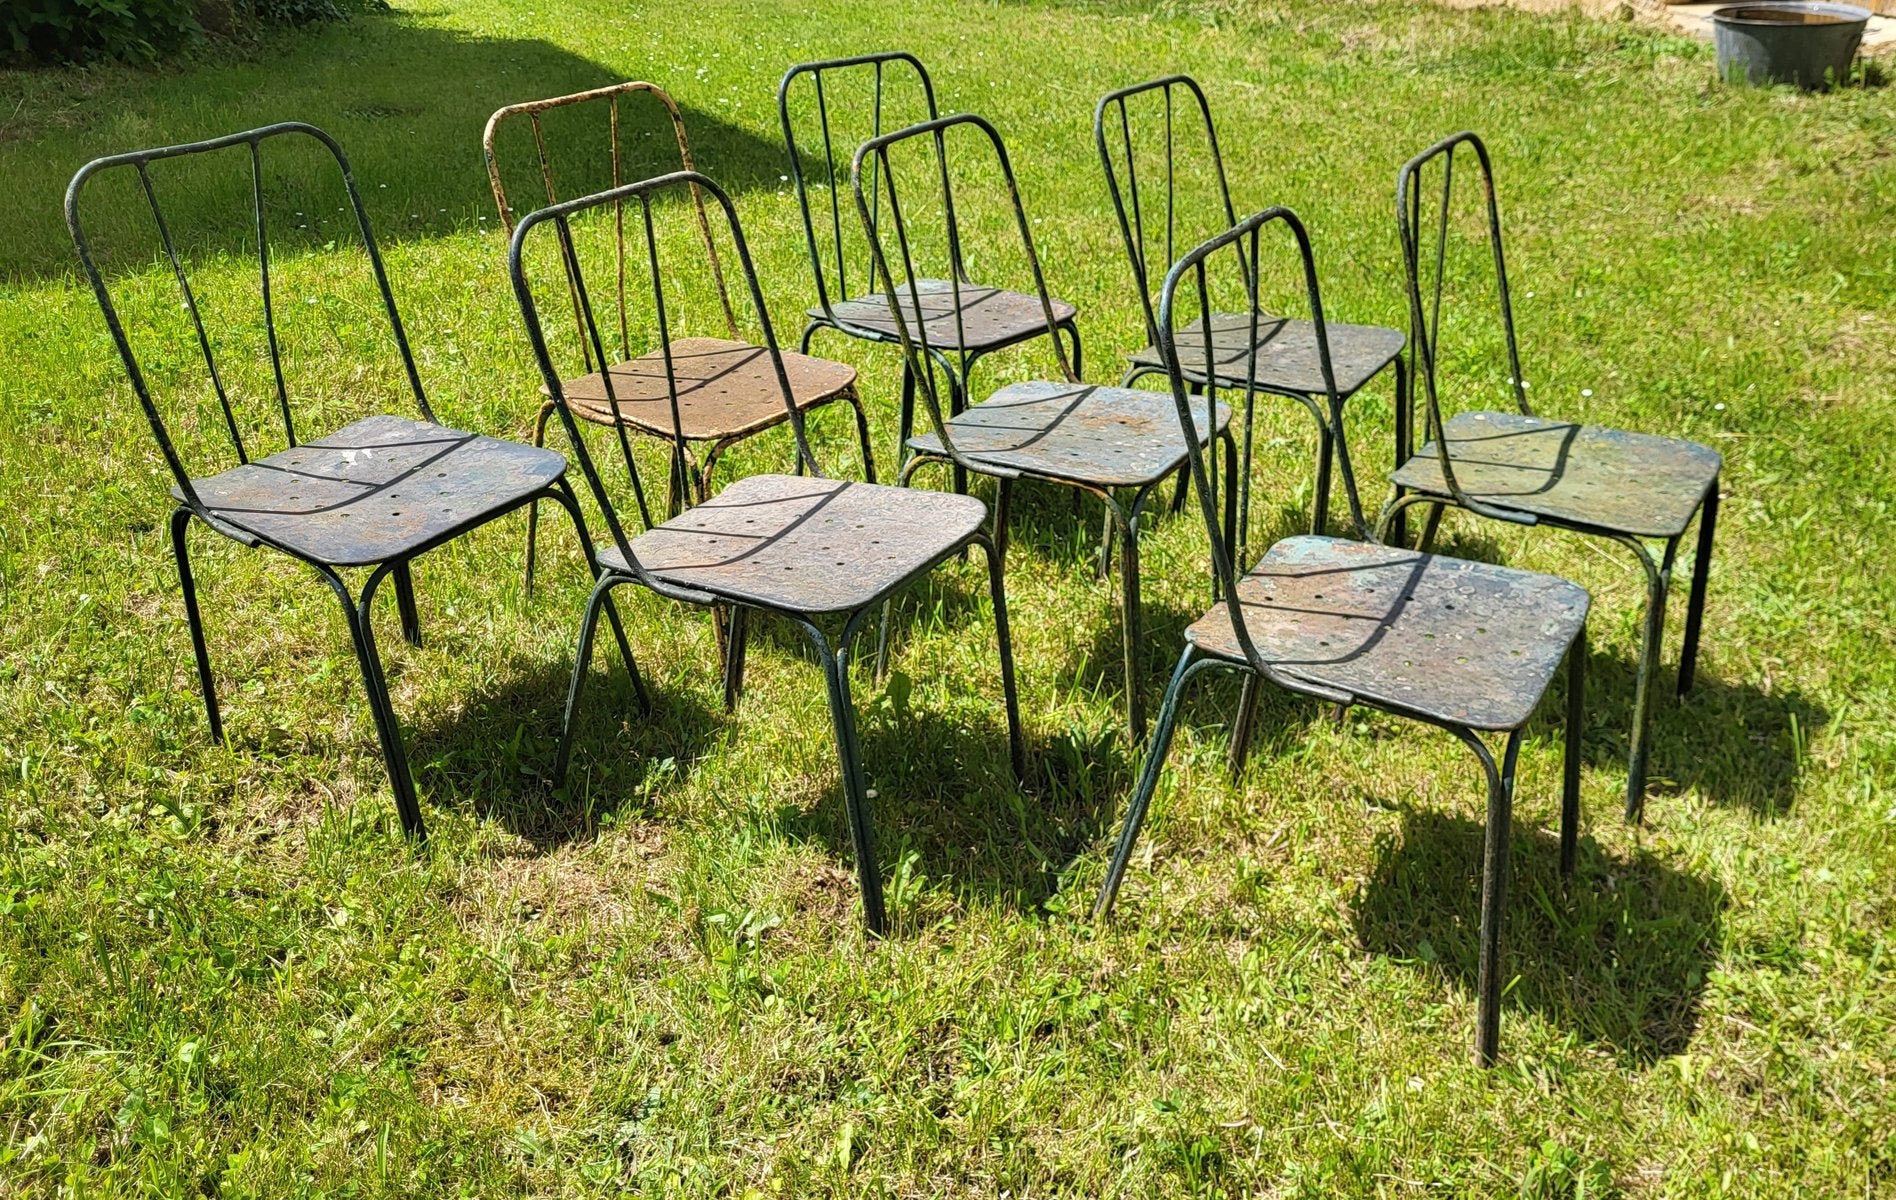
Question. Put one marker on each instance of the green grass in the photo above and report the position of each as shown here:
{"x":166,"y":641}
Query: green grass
{"x":222,"y":972}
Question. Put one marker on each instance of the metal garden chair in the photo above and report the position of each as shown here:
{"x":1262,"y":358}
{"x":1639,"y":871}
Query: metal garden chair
{"x":1100,"y":440}
{"x":726,"y":390}
{"x":808,"y":548}
{"x":970,"y":319}
{"x":1188,"y":161}
{"x":1629,"y":488}
{"x":377,"y":493}
{"x":1462,"y":645}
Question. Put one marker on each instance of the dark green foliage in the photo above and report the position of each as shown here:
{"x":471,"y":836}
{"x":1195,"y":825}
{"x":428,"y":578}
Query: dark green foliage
{"x":51,"y":31}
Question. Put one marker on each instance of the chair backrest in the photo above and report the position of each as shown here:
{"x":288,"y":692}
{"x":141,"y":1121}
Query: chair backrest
{"x":874,"y":169}
{"x":560,"y":218}
{"x":140,"y":163}
{"x":1145,"y":152}
{"x":1187,"y":293}
{"x":896,"y":80}
{"x":1425,"y":208}
{"x":606,"y":99}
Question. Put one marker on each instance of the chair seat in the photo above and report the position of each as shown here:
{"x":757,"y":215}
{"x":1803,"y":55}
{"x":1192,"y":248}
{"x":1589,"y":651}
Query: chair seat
{"x":990,"y":317}
{"x":1443,"y":638}
{"x":379,"y":489}
{"x":805,"y":545}
{"x":1286,"y":353}
{"x":1104,"y":436}
{"x":1632,"y":483}
{"x":725,"y":389}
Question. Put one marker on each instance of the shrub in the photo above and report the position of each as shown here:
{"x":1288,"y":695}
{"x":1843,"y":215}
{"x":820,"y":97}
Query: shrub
{"x":145,"y":30}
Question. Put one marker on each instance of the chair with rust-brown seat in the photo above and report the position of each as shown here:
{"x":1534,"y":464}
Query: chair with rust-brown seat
{"x":726,"y":390}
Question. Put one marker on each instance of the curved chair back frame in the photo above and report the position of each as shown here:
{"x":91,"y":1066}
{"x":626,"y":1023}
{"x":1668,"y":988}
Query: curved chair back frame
{"x":921,"y":356}
{"x":140,"y":162}
{"x":1425,"y":314}
{"x":610,"y":96}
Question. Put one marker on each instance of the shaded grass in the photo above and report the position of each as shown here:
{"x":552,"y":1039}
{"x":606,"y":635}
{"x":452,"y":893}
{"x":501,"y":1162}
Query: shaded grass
{"x":223,"y":973}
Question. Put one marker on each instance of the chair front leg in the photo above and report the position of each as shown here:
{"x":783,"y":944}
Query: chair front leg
{"x":1239,"y":751}
{"x":1496,"y":839}
{"x":388,"y":733}
{"x":582,"y":662}
{"x":737,"y":641}
{"x":1570,"y":757}
{"x":1654,"y":631}
{"x":1695,"y":603}
{"x":1016,"y":744}
{"x":855,"y":791}
{"x":562,"y":492}
{"x":1188,"y":664}
{"x":180,"y":527}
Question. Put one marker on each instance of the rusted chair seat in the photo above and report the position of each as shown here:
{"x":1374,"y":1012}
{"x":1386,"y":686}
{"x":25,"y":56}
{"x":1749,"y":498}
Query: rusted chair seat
{"x":1159,"y":148}
{"x":1629,"y":488}
{"x":727,"y":390}
{"x":1469,"y":647}
{"x":818,"y":552}
{"x":1117,"y":443}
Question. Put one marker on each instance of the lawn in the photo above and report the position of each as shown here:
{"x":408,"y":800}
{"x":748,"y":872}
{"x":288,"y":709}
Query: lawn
{"x":223,"y":972}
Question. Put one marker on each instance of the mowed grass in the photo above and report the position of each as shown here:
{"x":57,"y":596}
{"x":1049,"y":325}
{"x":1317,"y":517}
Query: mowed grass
{"x":223,"y":972}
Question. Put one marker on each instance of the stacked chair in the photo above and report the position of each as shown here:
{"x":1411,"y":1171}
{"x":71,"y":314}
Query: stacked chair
{"x":1469,"y":647}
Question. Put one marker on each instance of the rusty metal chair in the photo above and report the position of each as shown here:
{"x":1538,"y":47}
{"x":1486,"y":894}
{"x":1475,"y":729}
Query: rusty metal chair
{"x":1514,"y":466}
{"x":982,"y":319}
{"x":377,"y":493}
{"x":1188,"y":163}
{"x":1103,"y":441}
{"x":726,"y":391}
{"x":808,"y":548}
{"x":1465,"y":646}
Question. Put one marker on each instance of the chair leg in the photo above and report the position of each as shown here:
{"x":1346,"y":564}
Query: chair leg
{"x":1240,"y":750}
{"x":1129,"y":611}
{"x":1496,"y":840}
{"x":1320,"y":507}
{"x":1431,"y":525}
{"x":1148,"y":783}
{"x":905,"y":418}
{"x":582,"y":662}
{"x":562,"y":491}
{"x":405,"y":603}
{"x":737,"y":640}
{"x":1016,"y":744}
{"x":1003,"y":512}
{"x":1400,"y":530}
{"x":1642,"y":687}
{"x":862,"y":434}
{"x":1571,"y":753}
{"x":180,"y":526}
{"x":533,"y":506}
{"x":1233,"y":520}
{"x":1695,"y":603}
{"x":1079,"y":363}
{"x":855,"y":792}
{"x":957,"y":404}
{"x":388,"y":732}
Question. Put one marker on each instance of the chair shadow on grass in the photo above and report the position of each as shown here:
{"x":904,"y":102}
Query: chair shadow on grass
{"x":1619,"y":958}
{"x":406,"y":100}
{"x":492,"y":755}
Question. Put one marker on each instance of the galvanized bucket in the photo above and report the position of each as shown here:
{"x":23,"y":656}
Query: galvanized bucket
{"x":1806,"y":42}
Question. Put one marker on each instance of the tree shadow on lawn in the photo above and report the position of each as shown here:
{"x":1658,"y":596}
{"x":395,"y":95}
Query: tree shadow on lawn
{"x":1620,"y":957}
{"x":407,"y":102}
